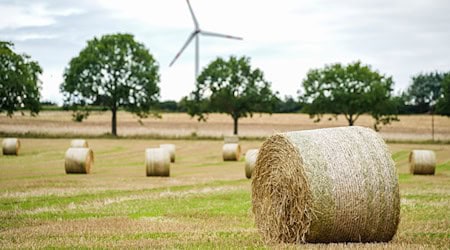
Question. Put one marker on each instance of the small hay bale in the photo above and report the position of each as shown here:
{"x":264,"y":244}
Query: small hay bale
{"x":79,"y":160}
{"x":11,"y":146}
{"x":326,"y":185}
{"x":171,"y":148}
{"x":231,"y":152}
{"x":250,"y":160}
{"x":422,"y":162}
{"x":157,"y":162}
{"x":231,"y":139}
{"x":79,"y":143}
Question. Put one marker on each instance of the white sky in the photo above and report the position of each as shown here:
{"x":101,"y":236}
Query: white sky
{"x":283,"y":38}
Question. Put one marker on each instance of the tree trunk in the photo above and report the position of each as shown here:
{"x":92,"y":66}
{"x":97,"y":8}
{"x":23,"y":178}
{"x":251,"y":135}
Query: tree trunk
{"x":114,"y":122}
{"x":235,"y":119}
{"x":350,"y":120}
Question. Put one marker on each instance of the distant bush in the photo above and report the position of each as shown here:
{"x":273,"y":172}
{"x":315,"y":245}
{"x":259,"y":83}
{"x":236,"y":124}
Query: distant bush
{"x":288,"y":105}
{"x":80,"y":115}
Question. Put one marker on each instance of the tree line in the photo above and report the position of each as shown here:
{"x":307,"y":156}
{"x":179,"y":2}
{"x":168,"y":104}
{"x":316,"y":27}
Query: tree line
{"x":116,"y":72}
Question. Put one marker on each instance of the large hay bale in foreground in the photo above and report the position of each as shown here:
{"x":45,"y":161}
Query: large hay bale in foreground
{"x":171,"y":148}
{"x":326,"y":185}
{"x":157,"y":162}
{"x":231,"y":139}
{"x":231,"y":152}
{"x":79,"y":160}
{"x":11,"y":146}
{"x":79,"y":143}
{"x":422,"y":162}
{"x":250,"y":160}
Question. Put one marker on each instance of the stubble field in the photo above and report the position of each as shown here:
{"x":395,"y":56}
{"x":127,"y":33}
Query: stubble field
{"x":206,"y":203}
{"x":410,"y":127}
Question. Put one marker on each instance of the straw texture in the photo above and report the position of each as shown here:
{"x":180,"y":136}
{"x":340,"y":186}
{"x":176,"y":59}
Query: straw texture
{"x":157,"y":162}
{"x":171,"y":148}
{"x":79,"y":143}
{"x":11,"y":146}
{"x":79,"y":160}
{"x":250,"y":160}
{"x":422,"y":162}
{"x":231,"y":152}
{"x":326,"y":185}
{"x":231,"y":139}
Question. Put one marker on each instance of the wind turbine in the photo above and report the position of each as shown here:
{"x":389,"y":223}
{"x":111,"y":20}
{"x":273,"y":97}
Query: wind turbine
{"x":195,"y":34}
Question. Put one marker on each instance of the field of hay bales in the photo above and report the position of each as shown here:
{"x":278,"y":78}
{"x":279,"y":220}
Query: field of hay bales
{"x":206,"y":202}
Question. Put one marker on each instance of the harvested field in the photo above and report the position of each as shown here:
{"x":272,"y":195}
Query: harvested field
{"x":412,"y":127}
{"x":206,"y":202}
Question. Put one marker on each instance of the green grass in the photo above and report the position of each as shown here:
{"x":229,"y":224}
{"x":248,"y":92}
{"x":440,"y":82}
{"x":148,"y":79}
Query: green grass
{"x":226,"y":204}
{"x":400,"y":155}
{"x":444,"y":167}
{"x":404,"y":178}
{"x":52,"y":201}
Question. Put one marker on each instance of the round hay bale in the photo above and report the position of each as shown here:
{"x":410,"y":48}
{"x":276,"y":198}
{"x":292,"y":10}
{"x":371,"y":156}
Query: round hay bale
{"x":11,"y":146}
{"x":231,"y":152}
{"x":231,"y":139}
{"x":422,"y":162}
{"x":157,"y":162}
{"x":171,"y":148}
{"x":326,"y":185}
{"x":250,"y":160}
{"x":79,"y":160}
{"x":79,"y":143}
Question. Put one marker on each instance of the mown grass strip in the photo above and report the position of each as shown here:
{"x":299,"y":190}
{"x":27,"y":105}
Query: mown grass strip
{"x":29,"y":203}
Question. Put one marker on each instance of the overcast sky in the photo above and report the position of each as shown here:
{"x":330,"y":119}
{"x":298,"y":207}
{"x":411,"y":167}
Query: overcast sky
{"x":283,"y":38}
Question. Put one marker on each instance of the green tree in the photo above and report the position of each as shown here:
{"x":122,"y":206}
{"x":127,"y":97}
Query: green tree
{"x":424,"y":93}
{"x":232,"y":87}
{"x":288,"y":105}
{"x":168,"y":106}
{"x":403,"y":104}
{"x":113,"y":71}
{"x":425,"y":90}
{"x":19,"y":82}
{"x":443,"y":104}
{"x":350,"y":90}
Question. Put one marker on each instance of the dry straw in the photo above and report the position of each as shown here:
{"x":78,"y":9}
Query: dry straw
{"x":422,"y":162}
{"x":326,"y":185}
{"x":231,"y":152}
{"x":231,"y":139}
{"x":157,"y":162}
{"x":171,"y":148}
{"x":250,"y":160}
{"x":79,"y":160}
{"x":79,"y":143}
{"x":11,"y":146}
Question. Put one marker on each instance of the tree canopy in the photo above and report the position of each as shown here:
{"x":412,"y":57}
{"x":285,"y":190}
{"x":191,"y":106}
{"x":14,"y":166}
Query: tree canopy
{"x":443,"y":104}
{"x":350,"y":90}
{"x":425,"y":90}
{"x":19,"y":82}
{"x":233,"y":87}
{"x":113,"y":71}
{"x":288,"y":105}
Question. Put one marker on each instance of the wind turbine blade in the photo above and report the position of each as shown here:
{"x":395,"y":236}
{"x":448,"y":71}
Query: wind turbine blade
{"x":192,"y":14}
{"x":184,"y":47}
{"x":207,"y":33}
